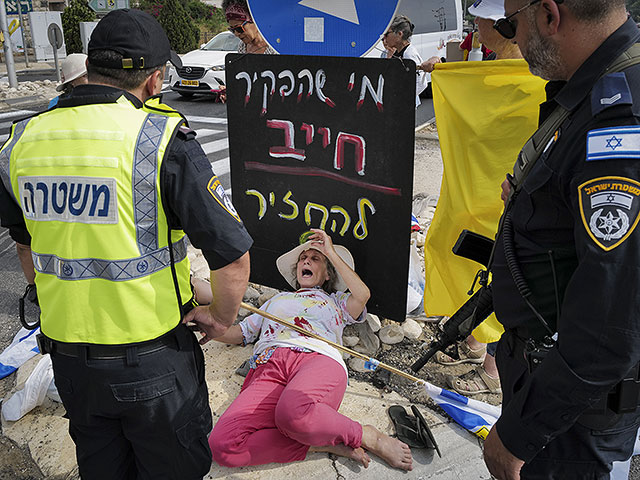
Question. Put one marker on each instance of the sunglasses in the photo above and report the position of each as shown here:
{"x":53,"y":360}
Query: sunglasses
{"x":240,"y":28}
{"x":507,"y":27}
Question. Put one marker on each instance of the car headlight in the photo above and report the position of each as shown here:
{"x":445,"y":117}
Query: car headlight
{"x":217,"y":68}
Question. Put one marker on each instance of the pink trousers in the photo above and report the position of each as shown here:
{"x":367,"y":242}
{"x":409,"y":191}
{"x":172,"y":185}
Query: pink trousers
{"x":285,"y":406}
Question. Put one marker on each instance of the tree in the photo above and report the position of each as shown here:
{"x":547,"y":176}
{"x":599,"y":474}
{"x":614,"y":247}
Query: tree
{"x":183,"y":34}
{"x":77,"y":11}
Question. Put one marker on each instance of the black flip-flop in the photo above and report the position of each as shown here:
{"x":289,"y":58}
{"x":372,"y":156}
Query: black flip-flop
{"x":406,"y":427}
{"x":424,"y":431}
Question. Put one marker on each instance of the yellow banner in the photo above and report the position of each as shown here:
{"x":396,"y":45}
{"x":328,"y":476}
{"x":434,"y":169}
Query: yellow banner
{"x":485,"y":112}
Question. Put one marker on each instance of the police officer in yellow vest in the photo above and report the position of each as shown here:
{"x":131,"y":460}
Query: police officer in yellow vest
{"x":107,"y":184}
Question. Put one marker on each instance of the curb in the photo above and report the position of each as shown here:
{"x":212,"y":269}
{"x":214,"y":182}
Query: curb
{"x":22,"y":103}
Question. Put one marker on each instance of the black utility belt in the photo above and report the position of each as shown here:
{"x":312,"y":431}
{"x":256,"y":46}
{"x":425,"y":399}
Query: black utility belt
{"x":105,"y":352}
{"x":624,"y":397}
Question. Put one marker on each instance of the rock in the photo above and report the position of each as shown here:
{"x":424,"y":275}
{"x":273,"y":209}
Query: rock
{"x":411,"y":329}
{"x":420,"y":239}
{"x":349,"y":341}
{"x":369,"y":343}
{"x":391,"y":334}
{"x":357,"y":364}
{"x":46,"y":82}
{"x":267,"y":294}
{"x":374,"y":322}
{"x":251,"y":295}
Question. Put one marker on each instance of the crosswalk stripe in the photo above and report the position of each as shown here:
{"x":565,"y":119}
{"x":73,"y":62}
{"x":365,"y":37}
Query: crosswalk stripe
{"x":207,"y":132}
{"x":198,"y":119}
{"x":215,"y":146}
{"x":221,"y":167}
{"x":16,"y":114}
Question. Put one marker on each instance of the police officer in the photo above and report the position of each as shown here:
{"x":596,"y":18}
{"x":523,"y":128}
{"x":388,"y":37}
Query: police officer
{"x":107,"y":184}
{"x":567,"y":263}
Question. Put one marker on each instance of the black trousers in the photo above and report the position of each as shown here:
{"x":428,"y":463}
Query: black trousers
{"x":580,"y":453}
{"x":142,"y":417}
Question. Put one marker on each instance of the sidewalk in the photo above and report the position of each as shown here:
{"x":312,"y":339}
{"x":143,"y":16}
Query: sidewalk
{"x":44,"y":431}
{"x":32,"y":97}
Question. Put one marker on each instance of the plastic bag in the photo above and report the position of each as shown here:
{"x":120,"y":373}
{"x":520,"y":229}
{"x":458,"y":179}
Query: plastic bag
{"x":39,"y":385}
{"x":415,"y":288}
{"x":21,"y":349}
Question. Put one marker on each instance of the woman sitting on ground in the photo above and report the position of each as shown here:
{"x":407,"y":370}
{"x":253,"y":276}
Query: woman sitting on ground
{"x":289,"y":400}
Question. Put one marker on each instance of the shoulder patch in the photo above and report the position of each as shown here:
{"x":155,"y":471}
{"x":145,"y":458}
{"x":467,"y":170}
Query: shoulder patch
{"x":610,"y":208}
{"x":610,"y":91}
{"x":616,"y":142}
{"x":216,"y":190}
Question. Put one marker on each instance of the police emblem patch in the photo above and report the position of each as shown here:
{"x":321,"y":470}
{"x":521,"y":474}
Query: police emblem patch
{"x":217,"y":191}
{"x":610,"y":209}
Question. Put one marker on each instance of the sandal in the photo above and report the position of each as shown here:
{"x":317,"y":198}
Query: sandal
{"x":465,"y":355}
{"x":406,"y":427}
{"x":475,"y":381}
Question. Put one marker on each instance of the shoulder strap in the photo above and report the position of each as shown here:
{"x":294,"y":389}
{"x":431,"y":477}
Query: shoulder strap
{"x":537,"y":144}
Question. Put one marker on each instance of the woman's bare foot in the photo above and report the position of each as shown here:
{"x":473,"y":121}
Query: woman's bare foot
{"x":357,"y":454}
{"x":391,"y":450}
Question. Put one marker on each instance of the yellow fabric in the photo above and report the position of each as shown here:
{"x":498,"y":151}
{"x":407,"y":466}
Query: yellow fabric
{"x":71,"y":145}
{"x":485,"y":112}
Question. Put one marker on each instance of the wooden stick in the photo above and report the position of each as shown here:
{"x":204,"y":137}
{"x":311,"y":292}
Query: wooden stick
{"x":353,"y":353}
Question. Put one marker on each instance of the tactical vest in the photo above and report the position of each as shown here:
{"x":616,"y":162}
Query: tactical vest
{"x":88,"y":181}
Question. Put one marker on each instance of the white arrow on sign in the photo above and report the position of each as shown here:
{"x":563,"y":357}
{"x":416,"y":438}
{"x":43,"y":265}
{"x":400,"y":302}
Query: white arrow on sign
{"x":344,"y":9}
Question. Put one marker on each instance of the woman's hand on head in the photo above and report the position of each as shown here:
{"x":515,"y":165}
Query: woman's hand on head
{"x":322,"y":242}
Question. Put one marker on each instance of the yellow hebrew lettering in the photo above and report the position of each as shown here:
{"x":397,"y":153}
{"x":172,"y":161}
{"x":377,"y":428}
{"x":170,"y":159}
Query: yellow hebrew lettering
{"x":360,"y":230}
{"x":294,"y":206}
{"x":272,"y":199}
{"x":347,"y":220}
{"x":262,"y":200}
{"x":316,"y":206}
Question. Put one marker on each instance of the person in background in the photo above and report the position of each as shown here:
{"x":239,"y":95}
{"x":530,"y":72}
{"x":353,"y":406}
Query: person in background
{"x":74,"y":72}
{"x":118,"y":182}
{"x":398,"y":39}
{"x":288,"y":403}
{"x":484,"y":378}
{"x":242,"y":26}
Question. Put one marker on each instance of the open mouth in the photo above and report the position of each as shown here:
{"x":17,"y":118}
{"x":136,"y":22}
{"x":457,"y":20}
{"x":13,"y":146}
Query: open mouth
{"x":306,"y":273}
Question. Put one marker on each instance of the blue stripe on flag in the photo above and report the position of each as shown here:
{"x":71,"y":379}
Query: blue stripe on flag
{"x":6,"y":370}
{"x":454,"y":396}
{"x":468,"y":420}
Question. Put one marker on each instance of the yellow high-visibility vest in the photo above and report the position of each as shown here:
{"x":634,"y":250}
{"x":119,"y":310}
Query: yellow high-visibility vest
{"x":88,"y":181}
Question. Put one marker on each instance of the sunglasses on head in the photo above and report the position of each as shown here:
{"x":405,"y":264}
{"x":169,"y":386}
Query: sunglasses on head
{"x":507,"y":27}
{"x":240,"y":28}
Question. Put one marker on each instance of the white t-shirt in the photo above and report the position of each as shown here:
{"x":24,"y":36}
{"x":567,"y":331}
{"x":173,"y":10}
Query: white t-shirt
{"x":422,"y":78}
{"x":312,"y":309}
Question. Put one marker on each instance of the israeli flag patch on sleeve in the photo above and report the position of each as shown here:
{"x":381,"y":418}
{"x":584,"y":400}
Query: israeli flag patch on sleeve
{"x":616,"y":142}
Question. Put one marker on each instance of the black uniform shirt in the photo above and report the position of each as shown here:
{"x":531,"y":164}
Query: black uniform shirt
{"x":582,"y":203}
{"x":191,"y":200}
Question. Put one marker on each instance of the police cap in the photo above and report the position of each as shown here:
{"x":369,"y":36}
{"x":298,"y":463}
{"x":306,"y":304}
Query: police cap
{"x":134,"y":34}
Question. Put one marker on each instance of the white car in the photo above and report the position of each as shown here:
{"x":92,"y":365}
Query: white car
{"x":203,"y":70}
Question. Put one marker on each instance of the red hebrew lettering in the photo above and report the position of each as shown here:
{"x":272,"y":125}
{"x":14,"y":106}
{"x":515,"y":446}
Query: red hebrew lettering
{"x":352,"y":80}
{"x":308,"y":129}
{"x":377,"y":95}
{"x":289,"y":149}
{"x":358,"y":142}
{"x":321,"y":79}
{"x":326,"y":136}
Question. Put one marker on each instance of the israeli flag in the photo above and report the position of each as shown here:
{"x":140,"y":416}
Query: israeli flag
{"x":476,"y":416}
{"x":22,"y":348}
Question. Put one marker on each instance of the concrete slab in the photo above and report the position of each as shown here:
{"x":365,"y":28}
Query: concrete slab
{"x":44,"y":431}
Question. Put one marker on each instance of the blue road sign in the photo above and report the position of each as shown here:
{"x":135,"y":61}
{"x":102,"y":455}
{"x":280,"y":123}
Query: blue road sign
{"x":12,"y":6}
{"x":347,"y":28}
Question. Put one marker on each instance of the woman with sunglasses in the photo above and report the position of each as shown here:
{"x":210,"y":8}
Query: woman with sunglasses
{"x":242,"y":26}
{"x":398,"y":39}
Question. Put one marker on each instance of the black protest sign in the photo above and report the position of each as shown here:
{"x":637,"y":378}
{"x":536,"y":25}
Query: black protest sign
{"x":325,"y":142}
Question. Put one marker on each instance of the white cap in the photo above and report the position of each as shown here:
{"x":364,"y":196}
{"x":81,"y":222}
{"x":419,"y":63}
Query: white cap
{"x":490,"y":9}
{"x":74,"y":66}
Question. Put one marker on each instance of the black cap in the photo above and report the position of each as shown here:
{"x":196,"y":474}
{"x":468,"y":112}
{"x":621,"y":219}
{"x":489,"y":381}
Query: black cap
{"x":134,"y":34}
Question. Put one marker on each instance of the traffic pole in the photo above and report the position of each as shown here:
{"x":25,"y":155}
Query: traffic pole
{"x":8,"y":52}
{"x":24,"y":41}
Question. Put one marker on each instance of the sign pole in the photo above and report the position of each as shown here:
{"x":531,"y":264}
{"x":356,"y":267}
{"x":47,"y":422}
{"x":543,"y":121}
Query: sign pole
{"x":24,"y":41}
{"x":8,"y":52}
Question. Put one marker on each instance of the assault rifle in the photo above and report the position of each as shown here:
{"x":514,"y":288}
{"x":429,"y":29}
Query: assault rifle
{"x":475,"y":310}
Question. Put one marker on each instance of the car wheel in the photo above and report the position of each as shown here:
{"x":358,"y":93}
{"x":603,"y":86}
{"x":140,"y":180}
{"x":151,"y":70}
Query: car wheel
{"x":186,"y":94}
